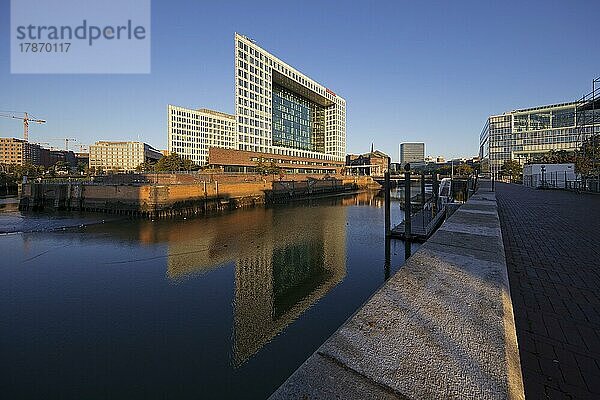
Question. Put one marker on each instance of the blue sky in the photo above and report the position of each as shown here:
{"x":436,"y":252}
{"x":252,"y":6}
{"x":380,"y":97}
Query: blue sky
{"x":409,"y":71}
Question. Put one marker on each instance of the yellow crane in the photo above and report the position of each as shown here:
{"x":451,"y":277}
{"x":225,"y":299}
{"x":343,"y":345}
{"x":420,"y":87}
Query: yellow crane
{"x":26,"y":118}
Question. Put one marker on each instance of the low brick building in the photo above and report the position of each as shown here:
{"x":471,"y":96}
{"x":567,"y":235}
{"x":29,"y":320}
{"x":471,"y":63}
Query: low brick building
{"x":231,"y":160}
{"x":374,"y":163}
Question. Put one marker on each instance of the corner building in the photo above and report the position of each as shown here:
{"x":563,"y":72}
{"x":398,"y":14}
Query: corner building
{"x":282,"y":111}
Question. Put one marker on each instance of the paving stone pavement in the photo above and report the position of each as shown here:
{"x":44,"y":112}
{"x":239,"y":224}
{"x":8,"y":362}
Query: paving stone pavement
{"x":552,"y":244}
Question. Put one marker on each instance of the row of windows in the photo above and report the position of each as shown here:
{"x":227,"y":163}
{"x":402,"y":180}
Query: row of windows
{"x":182,"y":129}
{"x":191,"y":123}
{"x":294,"y":162}
{"x":215,"y":143}
{"x":197,"y":115}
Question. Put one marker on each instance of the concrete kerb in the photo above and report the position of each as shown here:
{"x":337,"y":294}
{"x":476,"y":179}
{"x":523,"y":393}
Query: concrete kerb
{"x":441,"y":327}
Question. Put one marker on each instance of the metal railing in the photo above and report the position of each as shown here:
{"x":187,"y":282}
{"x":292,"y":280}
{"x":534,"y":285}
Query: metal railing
{"x":562,"y":180}
{"x":589,"y":185}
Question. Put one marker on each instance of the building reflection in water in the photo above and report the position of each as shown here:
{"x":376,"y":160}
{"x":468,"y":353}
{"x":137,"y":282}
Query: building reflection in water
{"x":299,"y":263}
{"x":286,"y":259}
{"x":364,"y":199}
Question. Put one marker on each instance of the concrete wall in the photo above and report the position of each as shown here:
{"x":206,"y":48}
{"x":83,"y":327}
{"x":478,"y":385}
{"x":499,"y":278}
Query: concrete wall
{"x":441,"y":328}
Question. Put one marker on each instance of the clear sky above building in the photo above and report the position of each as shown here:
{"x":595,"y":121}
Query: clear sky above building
{"x":409,"y":71}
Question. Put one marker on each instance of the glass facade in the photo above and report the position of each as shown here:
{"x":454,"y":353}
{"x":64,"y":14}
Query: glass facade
{"x":525,"y":134}
{"x":297,"y":122}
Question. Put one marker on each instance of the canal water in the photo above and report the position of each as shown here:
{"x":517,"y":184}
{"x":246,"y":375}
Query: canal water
{"x":220,"y":307}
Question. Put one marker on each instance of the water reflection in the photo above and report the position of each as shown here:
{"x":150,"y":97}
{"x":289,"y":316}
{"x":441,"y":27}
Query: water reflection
{"x":277,"y":282}
{"x":365,"y":199}
{"x":283,"y":264}
{"x":208,"y":307}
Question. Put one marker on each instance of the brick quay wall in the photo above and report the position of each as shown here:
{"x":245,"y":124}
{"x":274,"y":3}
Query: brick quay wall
{"x":159,"y":195}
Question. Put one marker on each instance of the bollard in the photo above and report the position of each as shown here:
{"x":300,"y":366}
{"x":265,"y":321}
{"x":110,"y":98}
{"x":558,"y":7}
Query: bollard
{"x":407,"y":212}
{"x":388,"y":228}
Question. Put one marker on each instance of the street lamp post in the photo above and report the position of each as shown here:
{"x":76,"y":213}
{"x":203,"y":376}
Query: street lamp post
{"x":543,"y":168}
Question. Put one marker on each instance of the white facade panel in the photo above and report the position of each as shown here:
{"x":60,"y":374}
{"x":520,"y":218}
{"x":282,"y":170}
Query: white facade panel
{"x":192,"y":132}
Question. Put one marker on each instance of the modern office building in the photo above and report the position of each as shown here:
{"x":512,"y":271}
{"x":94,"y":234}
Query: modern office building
{"x":19,"y":152}
{"x":282,"y":111}
{"x":525,"y":134}
{"x":278,"y":111}
{"x":193,"y":132}
{"x":121,"y":156}
{"x":412,"y":153}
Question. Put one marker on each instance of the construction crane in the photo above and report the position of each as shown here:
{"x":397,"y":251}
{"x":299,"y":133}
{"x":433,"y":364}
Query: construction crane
{"x":26,"y":119}
{"x":67,"y":140}
{"x":43,"y":143}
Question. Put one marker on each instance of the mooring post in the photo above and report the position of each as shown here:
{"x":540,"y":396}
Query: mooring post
{"x":423,"y":190}
{"x":407,"y":250}
{"x":436,"y":189}
{"x":407,"y":212}
{"x":388,"y":228}
{"x":388,"y":259}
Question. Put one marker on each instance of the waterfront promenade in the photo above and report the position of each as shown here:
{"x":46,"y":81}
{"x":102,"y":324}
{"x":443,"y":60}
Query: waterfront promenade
{"x":442,"y":327}
{"x":552,"y":246}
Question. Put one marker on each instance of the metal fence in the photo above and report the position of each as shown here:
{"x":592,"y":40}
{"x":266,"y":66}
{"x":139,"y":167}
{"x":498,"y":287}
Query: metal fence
{"x":560,"y":180}
{"x":590,"y":185}
{"x":553,"y":180}
{"x":426,"y":213}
